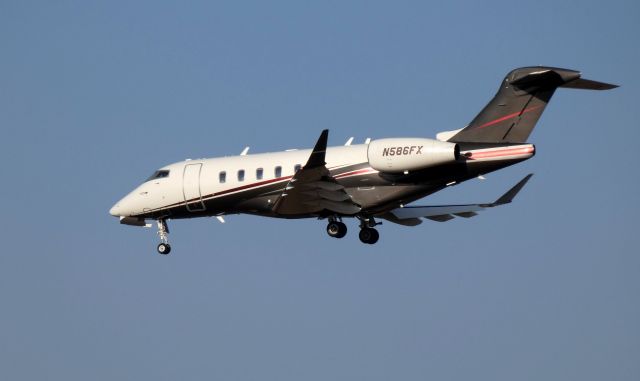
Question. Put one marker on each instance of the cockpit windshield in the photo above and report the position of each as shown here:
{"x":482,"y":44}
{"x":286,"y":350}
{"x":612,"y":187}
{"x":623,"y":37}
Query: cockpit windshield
{"x":158,"y":175}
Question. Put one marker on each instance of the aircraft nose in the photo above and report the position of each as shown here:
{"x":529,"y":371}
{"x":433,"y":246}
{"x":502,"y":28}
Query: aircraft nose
{"x":121,"y":208}
{"x":129,"y":205}
{"x":115,"y":210}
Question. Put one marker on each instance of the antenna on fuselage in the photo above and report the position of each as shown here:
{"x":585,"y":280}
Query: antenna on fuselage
{"x":244,"y":151}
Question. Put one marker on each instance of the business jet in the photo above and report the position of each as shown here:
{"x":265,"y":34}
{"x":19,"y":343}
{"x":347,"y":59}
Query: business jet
{"x":378,"y":180}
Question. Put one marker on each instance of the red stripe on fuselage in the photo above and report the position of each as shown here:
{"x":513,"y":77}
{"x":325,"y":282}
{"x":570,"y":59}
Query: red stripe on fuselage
{"x":253,"y":185}
{"x":353,"y":173}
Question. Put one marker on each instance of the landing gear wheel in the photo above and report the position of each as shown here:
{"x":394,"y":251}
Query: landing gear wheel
{"x":336,"y":229}
{"x":164,"y":248}
{"x":369,"y":235}
{"x":163,"y":231}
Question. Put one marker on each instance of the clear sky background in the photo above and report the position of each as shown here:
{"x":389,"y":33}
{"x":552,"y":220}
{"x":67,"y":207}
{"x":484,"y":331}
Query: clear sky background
{"x":94,"y":96}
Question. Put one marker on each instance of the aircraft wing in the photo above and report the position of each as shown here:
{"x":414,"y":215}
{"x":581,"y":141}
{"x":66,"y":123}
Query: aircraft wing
{"x":313,"y":190}
{"x":410,"y":215}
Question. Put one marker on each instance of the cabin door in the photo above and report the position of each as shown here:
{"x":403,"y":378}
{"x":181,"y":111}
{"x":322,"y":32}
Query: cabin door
{"x":191,"y":187}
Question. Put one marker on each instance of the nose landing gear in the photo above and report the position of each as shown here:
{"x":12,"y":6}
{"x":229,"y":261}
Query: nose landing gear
{"x":163,"y":231}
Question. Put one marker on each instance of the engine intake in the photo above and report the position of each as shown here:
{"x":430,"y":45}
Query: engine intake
{"x":410,"y":154}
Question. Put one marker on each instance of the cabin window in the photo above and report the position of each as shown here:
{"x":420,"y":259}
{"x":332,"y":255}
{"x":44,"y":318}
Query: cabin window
{"x":296,"y":168}
{"x":158,"y":175}
{"x":259,"y":173}
{"x":278,"y":171}
{"x":223,"y":177}
{"x":241,"y":175}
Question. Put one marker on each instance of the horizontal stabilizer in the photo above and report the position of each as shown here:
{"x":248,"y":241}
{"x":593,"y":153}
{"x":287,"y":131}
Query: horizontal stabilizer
{"x":588,"y":84}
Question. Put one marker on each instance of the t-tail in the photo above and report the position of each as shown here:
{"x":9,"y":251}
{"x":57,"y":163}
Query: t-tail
{"x":515,"y":109}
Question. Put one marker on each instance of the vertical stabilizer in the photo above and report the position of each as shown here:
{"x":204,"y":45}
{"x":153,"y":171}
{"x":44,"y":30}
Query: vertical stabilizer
{"x":515,"y":109}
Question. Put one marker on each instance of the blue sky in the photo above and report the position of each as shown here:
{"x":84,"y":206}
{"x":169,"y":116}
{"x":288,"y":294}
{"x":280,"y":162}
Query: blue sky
{"x":94,"y":97}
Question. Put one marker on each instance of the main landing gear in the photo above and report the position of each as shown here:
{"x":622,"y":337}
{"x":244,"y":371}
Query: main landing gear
{"x":163,"y":231}
{"x":368,"y":234}
{"x":337,"y":229}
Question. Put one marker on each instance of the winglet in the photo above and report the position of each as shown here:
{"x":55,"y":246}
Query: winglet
{"x":316,"y":159}
{"x":511,"y":193}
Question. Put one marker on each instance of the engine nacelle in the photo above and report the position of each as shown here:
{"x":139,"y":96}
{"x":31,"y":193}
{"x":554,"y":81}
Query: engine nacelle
{"x":410,"y":154}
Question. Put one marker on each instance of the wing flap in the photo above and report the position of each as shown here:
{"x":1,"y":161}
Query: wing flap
{"x":443,"y":213}
{"x":430,"y":211}
{"x":404,"y":222}
{"x":441,"y":218}
{"x":338,"y":207}
{"x":466,"y":214}
{"x":337,"y":196}
{"x":324,"y":185}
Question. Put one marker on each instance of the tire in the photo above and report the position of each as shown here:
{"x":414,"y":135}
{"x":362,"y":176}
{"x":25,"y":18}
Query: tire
{"x":369,"y":236}
{"x":164,"y":248}
{"x":375,"y":237}
{"x":336,"y":229}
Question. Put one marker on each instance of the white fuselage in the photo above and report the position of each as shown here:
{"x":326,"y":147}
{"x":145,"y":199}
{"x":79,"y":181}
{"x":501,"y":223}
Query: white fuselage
{"x":253,"y":183}
{"x":206,"y":178}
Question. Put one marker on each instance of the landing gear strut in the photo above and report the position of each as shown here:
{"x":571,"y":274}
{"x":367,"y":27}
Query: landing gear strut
{"x":336,"y":228}
{"x":163,"y":231}
{"x":368,"y":234}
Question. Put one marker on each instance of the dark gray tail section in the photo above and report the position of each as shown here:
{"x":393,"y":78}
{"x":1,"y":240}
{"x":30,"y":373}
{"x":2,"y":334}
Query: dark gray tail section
{"x":515,"y":109}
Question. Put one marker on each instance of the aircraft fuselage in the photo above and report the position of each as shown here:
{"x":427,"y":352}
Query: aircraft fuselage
{"x":252,"y":183}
